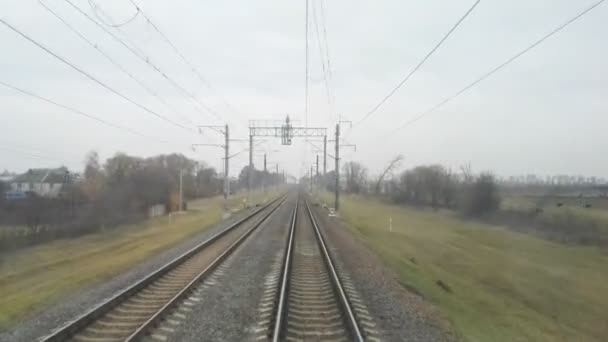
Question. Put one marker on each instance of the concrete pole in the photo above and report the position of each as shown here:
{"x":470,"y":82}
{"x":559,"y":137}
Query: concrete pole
{"x":337,"y":190}
{"x":181,"y":190}
{"x":311,"y":179}
{"x":250,"y":171}
{"x":324,"y":155}
{"x":226,"y":164}
{"x":264,"y":175}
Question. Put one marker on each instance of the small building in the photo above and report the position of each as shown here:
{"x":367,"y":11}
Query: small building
{"x":6,"y":177}
{"x":43,"y":182}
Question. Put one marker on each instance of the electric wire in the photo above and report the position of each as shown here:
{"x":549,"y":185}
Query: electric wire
{"x":96,"y":8}
{"x":93,"y":78}
{"x":192,"y":67}
{"x":113,"y":62}
{"x":147,"y":61}
{"x":419,"y":65}
{"x":79,"y":112}
{"x":497,"y":68}
{"x":322,"y":56}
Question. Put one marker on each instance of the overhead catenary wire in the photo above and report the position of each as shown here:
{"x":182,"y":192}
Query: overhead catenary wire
{"x":30,"y":149}
{"x":177,"y":51}
{"x":96,"y":8}
{"x":419,"y":65}
{"x":93,"y":78}
{"x":79,"y":112}
{"x":497,"y":68}
{"x":113,"y":62}
{"x":328,"y":60}
{"x":147,"y":61}
{"x":36,"y":156}
{"x":322,"y":56}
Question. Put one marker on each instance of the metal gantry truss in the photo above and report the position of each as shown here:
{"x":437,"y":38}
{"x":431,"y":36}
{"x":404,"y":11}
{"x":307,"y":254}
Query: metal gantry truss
{"x":284,"y":130}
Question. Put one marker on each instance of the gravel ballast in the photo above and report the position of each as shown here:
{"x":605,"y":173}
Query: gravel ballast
{"x":225,"y":306}
{"x":399,"y":314}
{"x":66,"y":309}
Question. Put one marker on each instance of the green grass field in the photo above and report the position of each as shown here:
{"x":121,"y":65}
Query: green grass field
{"x":506,"y":286}
{"x":34,"y":277}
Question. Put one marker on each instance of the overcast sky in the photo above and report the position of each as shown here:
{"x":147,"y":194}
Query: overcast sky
{"x":546,"y":113}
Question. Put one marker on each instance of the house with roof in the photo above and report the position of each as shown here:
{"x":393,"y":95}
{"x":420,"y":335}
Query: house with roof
{"x":6,"y":176}
{"x":43,"y":182}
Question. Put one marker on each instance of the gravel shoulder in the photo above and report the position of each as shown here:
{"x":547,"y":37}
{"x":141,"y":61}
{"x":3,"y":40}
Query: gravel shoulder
{"x":65,"y":309}
{"x":399,"y":314}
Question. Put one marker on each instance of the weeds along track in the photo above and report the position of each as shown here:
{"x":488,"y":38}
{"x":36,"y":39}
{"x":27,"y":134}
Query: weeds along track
{"x":130,"y":314}
{"x":311,"y":304}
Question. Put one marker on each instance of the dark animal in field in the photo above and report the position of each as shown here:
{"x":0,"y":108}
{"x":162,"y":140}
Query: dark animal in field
{"x":560,"y":204}
{"x":587,"y":205}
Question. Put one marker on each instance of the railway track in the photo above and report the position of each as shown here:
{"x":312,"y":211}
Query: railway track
{"x":312,"y":304}
{"x":130,"y":314}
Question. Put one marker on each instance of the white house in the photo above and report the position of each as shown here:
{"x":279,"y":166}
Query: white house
{"x":44,"y":182}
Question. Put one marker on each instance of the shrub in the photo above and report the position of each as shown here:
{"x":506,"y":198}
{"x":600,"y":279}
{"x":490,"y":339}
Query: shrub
{"x":481,"y":196}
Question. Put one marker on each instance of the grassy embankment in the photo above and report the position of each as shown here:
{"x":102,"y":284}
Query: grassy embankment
{"x":506,"y":286}
{"x":34,"y":277}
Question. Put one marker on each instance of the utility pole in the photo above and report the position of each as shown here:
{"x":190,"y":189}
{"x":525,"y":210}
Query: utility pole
{"x":337,"y":190}
{"x":311,"y":179}
{"x":226,"y":163}
{"x":324,"y":155}
{"x":317,"y":174}
{"x":264,"y":175}
{"x":250,"y":171}
{"x":224,"y":130}
{"x":181,"y":190}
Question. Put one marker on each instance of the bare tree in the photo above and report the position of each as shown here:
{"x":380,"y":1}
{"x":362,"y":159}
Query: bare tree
{"x":356,"y":177}
{"x":392,"y":165}
{"x":93,"y":176}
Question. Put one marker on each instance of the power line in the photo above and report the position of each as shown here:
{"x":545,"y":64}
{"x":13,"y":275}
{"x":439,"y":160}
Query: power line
{"x":328,"y":59}
{"x":91,"y":77}
{"x":35,"y":156}
{"x":96,"y":8}
{"x":417,"y":67}
{"x":322,"y":56}
{"x":79,"y":112}
{"x":112,"y":61}
{"x":325,"y":39}
{"x":500,"y":66}
{"x":192,"y":67}
{"x":20,"y":146}
{"x":147,"y":61}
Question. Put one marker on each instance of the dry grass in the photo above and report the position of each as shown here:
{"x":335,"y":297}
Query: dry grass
{"x":506,"y":286}
{"x":36,"y":276}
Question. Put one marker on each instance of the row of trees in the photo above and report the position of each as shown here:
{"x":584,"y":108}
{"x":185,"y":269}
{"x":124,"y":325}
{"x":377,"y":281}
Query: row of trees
{"x":117,"y":191}
{"x":432,"y":185}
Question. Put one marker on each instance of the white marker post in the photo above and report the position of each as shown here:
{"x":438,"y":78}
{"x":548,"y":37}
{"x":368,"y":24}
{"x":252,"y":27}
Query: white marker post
{"x":390,"y":224}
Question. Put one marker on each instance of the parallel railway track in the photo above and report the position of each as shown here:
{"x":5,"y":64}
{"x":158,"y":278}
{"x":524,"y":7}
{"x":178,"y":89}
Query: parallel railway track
{"x":312,"y":304}
{"x":130,"y":314}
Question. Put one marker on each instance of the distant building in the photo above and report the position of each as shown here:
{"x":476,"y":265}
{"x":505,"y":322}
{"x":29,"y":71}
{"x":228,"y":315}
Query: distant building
{"x":43,"y":182}
{"x":6,"y":177}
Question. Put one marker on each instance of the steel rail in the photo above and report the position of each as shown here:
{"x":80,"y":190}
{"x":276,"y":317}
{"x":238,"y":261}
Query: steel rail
{"x":74,"y":326}
{"x":343,"y":299}
{"x":281,"y":307}
{"x":141,"y":331}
